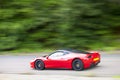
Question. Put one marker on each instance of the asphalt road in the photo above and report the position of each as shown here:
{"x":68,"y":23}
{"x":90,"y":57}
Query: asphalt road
{"x":109,"y":67}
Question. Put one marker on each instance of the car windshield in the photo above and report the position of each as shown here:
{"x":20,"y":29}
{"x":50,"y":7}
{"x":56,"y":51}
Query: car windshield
{"x":58,"y":54}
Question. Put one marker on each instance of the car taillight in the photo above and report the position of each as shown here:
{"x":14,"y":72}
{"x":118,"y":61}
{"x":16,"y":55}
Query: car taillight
{"x":96,"y":59}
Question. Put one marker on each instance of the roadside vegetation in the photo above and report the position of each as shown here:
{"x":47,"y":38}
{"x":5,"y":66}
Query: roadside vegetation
{"x":46,"y":25}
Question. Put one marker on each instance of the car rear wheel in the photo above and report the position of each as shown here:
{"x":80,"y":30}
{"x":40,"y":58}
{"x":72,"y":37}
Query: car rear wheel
{"x":39,"y":65}
{"x":77,"y":65}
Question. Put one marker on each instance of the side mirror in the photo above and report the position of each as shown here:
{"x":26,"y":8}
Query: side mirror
{"x":46,"y":57}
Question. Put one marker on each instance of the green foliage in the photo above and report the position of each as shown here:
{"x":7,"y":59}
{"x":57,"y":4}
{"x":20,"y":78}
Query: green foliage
{"x":76,"y":24}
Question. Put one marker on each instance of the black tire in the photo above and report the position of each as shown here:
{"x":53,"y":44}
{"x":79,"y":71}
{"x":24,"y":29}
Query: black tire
{"x":39,"y":65}
{"x":77,"y":65}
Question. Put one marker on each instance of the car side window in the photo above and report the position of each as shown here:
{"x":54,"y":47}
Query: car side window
{"x":56,"y":54}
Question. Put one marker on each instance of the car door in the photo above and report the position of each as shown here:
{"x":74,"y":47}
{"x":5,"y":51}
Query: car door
{"x":56,"y":60}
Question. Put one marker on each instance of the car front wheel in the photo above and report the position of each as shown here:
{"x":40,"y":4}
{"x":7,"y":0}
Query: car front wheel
{"x":77,"y":64}
{"x":39,"y":65}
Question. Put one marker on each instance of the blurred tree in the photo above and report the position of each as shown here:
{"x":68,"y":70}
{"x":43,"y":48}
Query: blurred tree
{"x":58,"y":23}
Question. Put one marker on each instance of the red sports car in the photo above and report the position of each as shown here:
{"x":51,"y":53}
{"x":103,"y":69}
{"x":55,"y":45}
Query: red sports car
{"x":66,"y":59}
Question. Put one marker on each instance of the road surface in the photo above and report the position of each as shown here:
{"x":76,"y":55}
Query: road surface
{"x":109,"y":67}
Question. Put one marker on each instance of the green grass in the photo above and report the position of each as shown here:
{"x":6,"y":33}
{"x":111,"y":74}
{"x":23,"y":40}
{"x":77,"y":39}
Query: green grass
{"x":35,"y":50}
{"x":105,"y":46}
{"x":26,"y":51}
{"x":117,"y":76}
